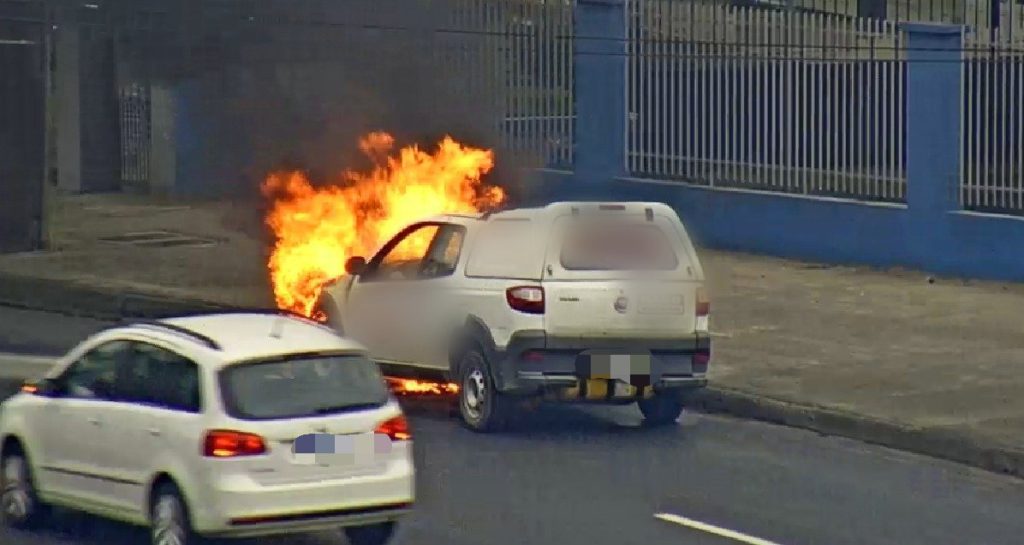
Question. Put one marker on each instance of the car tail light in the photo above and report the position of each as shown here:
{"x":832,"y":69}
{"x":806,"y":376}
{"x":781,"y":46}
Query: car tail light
{"x":230,"y":444}
{"x":396,"y":428}
{"x":528,"y":299}
{"x":703,"y":303}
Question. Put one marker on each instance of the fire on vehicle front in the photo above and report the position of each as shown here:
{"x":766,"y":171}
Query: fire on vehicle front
{"x":318,"y":227}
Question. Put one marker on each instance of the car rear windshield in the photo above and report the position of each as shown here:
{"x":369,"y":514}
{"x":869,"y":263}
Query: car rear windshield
{"x":302,"y":386}
{"x":617,"y":246}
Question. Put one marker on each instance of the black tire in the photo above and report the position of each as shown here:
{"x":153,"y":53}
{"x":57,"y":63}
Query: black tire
{"x":168,"y":513}
{"x":481,"y":406}
{"x":661,"y":410}
{"x":19,"y":504}
{"x":374,"y":534}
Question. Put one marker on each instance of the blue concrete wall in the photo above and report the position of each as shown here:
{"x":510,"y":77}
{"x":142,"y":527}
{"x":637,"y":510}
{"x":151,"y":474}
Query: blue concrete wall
{"x":964,"y":244}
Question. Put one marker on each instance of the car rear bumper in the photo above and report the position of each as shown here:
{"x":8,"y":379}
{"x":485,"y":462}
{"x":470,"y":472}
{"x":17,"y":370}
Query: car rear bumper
{"x":311,"y":521}
{"x":534,"y":362}
{"x":239,"y":507}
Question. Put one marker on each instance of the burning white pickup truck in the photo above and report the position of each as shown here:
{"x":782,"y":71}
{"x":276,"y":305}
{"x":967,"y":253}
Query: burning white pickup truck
{"x":600,"y":302}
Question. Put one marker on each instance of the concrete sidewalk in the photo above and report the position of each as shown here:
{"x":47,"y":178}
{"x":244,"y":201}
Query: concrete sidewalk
{"x":932,"y":366}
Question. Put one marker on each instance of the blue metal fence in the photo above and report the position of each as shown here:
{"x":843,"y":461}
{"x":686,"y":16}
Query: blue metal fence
{"x":744,"y":97}
{"x":992,"y":176}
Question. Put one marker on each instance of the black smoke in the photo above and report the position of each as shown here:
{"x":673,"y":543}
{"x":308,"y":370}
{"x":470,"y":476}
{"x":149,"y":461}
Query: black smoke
{"x":273,"y":85}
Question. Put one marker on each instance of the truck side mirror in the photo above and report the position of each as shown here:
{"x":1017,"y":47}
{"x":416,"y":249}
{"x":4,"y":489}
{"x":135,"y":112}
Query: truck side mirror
{"x":355,"y":265}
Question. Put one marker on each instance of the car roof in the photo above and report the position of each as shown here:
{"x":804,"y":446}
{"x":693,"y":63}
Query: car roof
{"x":238,"y":337}
{"x":549,"y":210}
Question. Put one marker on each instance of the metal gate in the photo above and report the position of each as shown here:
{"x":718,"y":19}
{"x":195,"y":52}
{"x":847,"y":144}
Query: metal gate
{"x":22,"y":132}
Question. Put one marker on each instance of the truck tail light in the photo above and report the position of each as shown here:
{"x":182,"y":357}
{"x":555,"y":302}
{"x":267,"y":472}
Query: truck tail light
{"x":396,"y":428}
{"x":528,"y":299}
{"x":703,"y":303}
{"x":231,"y":444}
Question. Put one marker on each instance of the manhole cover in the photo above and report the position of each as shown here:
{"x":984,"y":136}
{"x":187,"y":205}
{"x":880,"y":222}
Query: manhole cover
{"x":158,"y":239}
{"x":141,"y":236}
{"x":184,"y":241}
{"x":126,"y":211}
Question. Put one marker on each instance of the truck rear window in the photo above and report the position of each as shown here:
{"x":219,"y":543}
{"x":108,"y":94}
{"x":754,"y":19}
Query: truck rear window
{"x":302,"y":386}
{"x":615,"y":246}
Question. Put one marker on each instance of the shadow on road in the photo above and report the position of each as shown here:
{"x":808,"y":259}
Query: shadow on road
{"x":555,"y":420}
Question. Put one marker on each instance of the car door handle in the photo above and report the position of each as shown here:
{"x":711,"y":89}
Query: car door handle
{"x":94,"y":421}
{"x":154,"y":432}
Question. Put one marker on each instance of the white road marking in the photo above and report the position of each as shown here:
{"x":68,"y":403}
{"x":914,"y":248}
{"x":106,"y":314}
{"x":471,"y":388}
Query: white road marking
{"x":712,"y":529}
{"x":22,"y":366}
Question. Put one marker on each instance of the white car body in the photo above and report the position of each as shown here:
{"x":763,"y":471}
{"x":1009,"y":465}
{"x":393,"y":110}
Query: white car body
{"x":107,"y":456}
{"x":422,"y":323}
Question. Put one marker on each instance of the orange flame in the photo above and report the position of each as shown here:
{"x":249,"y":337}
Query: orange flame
{"x":405,"y":386}
{"x":318,"y":229}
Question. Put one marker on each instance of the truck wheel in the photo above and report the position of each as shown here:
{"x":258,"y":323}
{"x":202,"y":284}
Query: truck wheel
{"x":482,"y":407}
{"x":661,"y":410}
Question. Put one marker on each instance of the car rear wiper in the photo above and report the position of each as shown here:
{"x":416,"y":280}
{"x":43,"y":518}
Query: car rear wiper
{"x":351,"y":407}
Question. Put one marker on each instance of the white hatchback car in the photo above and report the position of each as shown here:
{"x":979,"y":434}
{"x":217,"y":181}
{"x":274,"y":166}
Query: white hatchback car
{"x":226,"y":424}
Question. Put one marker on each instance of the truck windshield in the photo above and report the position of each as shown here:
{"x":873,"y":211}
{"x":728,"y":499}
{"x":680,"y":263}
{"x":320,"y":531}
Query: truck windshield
{"x":302,"y":386}
{"x":617,"y":246}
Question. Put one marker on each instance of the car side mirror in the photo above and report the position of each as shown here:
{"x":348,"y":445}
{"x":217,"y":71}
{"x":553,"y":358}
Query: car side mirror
{"x":355,"y":265}
{"x":43,"y":387}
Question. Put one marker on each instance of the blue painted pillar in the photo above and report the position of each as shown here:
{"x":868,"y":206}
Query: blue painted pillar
{"x":600,"y":90}
{"x":934,"y":99}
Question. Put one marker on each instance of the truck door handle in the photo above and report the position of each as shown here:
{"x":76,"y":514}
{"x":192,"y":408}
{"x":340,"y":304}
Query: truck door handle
{"x":154,"y":432}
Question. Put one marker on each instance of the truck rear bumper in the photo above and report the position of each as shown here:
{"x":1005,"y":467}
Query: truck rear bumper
{"x":534,"y":362}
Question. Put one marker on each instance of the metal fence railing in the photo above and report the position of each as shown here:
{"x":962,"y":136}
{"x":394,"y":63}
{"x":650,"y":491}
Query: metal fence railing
{"x":257,"y":75}
{"x":992,"y":175}
{"x":977,"y":14}
{"x":761,"y":99}
{"x":136,"y":136}
{"x":518,"y":53}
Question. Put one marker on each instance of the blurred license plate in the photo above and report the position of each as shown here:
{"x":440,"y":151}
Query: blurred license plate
{"x":340,"y":450}
{"x":617,"y":367}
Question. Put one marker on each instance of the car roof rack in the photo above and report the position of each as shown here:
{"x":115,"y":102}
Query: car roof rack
{"x":210,"y":343}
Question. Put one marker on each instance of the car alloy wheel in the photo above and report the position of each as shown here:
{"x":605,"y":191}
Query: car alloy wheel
{"x":169,"y":524}
{"x":17,"y":499}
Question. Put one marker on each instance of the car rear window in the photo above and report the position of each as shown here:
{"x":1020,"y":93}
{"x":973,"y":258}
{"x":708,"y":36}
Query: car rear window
{"x":617,"y":246}
{"x":302,"y":386}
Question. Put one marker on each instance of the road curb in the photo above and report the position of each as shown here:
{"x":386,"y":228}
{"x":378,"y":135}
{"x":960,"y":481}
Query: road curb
{"x":937,"y":443}
{"x":77,"y":299}
{"x":83,"y":300}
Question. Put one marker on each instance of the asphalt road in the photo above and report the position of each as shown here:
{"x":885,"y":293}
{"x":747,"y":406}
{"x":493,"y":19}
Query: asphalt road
{"x":574,"y":476}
